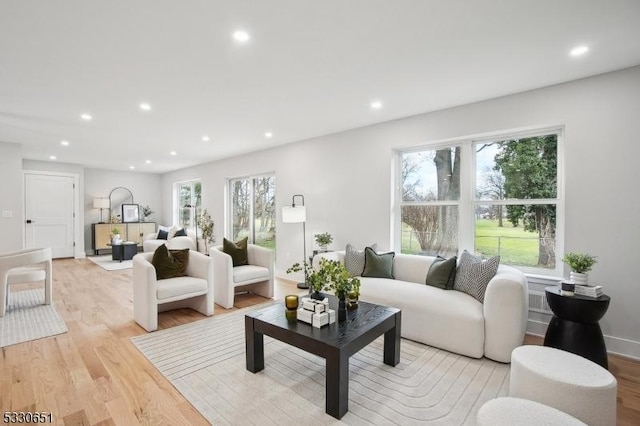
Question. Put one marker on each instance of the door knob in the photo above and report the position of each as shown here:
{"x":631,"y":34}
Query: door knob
{"x":29,"y":221}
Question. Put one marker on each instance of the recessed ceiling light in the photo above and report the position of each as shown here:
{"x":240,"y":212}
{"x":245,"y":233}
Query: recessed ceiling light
{"x":579,"y":51}
{"x":173,"y":153}
{"x":268,"y":135}
{"x":376,"y":105}
{"x":64,"y":143}
{"x":205,"y":138}
{"x":132,"y":167}
{"x":147,"y":161}
{"x":52,"y":157}
{"x":241,"y":36}
{"x":86,"y":117}
{"x":145,"y":106}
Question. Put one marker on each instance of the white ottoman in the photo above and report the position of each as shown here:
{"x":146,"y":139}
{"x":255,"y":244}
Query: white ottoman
{"x":565,"y":381}
{"x":509,"y":411}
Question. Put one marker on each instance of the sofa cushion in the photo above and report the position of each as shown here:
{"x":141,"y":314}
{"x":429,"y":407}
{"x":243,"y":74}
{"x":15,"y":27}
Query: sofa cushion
{"x":379,"y":265}
{"x":237,"y":251}
{"x":474,"y":273}
{"x":354,"y":260}
{"x":249,"y":272}
{"x":442,"y":273}
{"x":174,"y":287}
{"x":170,"y":263}
{"x":180,"y":233}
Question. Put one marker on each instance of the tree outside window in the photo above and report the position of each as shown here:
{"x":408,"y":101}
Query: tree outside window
{"x":514,"y":201}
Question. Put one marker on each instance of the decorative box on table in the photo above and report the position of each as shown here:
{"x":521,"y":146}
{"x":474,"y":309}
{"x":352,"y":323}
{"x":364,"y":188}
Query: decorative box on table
{"x":316,"y":312}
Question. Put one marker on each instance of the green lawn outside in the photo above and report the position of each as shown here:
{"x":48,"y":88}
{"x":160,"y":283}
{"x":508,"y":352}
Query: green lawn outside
{"x":514,"y":245}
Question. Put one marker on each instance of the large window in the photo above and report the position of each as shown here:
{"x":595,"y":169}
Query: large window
{"x":187,"y":202}
{"x":496,"y":196}
{"x":252,"y":209}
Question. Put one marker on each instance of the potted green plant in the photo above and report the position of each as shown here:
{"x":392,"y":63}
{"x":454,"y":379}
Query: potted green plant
{"x":115,"y":235}
{"x":206,"y":225}
{"x":323,"y":240}
{"x":580,"y":264}
{"x":316,"y":280}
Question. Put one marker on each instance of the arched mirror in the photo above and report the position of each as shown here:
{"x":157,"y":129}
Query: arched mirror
{"x":117,"y":198}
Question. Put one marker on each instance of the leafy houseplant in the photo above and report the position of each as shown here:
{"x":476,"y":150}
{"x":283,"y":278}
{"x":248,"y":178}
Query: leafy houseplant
{"x":580,"y":264}
{"x":331,"y":276}
{"x":323,"y":240}
{"x":206,"y":225}
{"x":115,"y":235}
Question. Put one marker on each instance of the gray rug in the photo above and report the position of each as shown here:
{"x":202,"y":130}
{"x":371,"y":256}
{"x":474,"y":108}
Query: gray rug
{"x":205,"y":361}
{"x":27,"y":318}
{"x":108,"y":264}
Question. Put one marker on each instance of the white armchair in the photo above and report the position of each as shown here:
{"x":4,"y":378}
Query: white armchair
{"x":151,"y":296}
{"x":256,"y":277}
{"x":25,"y":266}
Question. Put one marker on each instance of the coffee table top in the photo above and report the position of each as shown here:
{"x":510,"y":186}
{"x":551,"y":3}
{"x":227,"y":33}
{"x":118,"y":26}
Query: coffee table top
{"x":338,"y":334}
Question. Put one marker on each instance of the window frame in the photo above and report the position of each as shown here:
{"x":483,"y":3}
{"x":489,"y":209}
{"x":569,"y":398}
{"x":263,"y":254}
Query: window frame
{"x":468,"y":198}
{"x":176,"y":201}
{"x":229,"y":203}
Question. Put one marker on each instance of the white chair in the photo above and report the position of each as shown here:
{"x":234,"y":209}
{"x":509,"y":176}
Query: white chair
{"x":25,"y":266}
{"x":256,"y":277}
{"x":151,"y":296}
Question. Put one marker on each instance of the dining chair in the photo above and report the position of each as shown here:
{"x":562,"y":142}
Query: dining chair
{"x":25,"y":266}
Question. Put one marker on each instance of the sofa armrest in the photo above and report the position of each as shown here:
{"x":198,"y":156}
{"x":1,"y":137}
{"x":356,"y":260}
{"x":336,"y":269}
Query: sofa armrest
{"x":505,"y":313}
{"x":330,"y":255}
{"x":151,"y":236}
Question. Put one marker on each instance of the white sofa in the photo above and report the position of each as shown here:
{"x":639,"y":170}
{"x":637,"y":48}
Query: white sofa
{"x":450,"y":319}
{"x":256,"y":277}
{"x":150,"y":242}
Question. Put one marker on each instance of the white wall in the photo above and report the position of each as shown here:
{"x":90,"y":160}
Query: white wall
{"x":145,"y":188}
{"x":346,"y":179}
{"x":11,"y":197}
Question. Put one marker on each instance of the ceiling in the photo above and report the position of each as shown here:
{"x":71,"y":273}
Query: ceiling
{"x":310,"y":68}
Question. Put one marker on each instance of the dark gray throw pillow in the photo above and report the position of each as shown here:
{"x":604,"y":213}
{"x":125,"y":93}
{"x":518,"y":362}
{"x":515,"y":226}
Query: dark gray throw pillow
{"x":180,"y":233}
{"x":354,"y":260}
{"x":378,"y":265}
{"x":473,"y":274}
{"x":442,"y":273}
{"x":162,"y":235}
{"x":170,"y":263}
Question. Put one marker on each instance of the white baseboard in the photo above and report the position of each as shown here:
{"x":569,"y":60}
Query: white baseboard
{"x":615,"y":345}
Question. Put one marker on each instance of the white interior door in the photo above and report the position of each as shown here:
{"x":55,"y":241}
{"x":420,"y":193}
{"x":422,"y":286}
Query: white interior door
{"x":49,"y":213}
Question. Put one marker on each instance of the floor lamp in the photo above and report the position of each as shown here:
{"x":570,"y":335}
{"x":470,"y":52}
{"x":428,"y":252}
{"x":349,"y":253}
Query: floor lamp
{"x":298,"y":214}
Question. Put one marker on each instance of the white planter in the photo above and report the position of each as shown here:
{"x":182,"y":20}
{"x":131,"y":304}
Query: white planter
{"x":578,"y":278}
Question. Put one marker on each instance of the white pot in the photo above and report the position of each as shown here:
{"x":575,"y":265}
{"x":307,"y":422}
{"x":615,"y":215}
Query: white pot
{"x":579,"y":278}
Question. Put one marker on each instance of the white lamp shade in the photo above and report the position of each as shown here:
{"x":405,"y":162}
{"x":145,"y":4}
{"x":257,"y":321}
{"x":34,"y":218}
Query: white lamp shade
{"x":100,"y":203}
{"x":297,"y":214}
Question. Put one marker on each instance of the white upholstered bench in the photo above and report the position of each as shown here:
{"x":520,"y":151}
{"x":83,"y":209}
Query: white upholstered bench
{"x":565,"y":381}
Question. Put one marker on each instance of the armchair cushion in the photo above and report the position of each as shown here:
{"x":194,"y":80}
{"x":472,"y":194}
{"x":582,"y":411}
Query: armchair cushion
{"x":237,"y":251}
{"x":249,"y":272}
{"x":170,"y":263}
{"x":167,"y":289}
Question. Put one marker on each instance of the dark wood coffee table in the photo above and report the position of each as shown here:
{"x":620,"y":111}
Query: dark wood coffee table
{"x":334,"y":342}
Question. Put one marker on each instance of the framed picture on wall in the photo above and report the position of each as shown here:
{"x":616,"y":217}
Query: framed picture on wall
{"x":130,"y":213}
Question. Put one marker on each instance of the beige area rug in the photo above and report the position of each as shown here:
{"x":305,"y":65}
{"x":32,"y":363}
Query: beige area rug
{"x":205,"y":361}
{"x":27,"y":318}
{"x":107,"y":263}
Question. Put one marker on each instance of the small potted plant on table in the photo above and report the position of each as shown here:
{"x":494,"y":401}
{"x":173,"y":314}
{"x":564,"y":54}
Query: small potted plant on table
{"x":323,"y":240}
{"x":580,"y":264}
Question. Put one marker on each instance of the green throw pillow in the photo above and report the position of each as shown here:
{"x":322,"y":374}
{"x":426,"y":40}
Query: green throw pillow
{"x":378,"y":265}
{"x":237,"y":251}
{"x":442,"y":273}
{"x":170,"y":263}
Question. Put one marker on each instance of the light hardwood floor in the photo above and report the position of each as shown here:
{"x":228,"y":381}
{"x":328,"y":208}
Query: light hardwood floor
{"x":94,"y":375}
